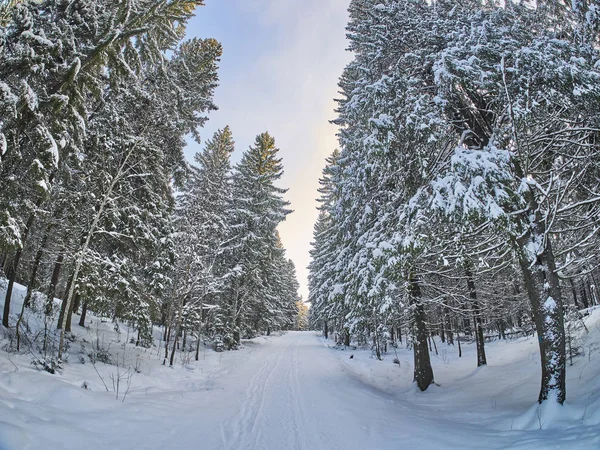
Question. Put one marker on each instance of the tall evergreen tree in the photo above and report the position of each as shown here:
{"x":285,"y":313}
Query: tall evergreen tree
{"x":202,"y":229}
{"x":54,"y":57}
{"x":472,"y":111}
{"x":254,"y":250}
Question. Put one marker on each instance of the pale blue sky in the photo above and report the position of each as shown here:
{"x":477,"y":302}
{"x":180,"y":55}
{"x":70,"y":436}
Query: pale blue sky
{"x":279,"y":72}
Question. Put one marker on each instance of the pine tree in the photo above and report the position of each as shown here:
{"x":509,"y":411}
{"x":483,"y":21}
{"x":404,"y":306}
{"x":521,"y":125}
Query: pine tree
{"x":202,"y":230}
{"x":254,"y":250}
{"x":54,"y":56}
{"x":322,"y":269}
{"x":129,"y":147}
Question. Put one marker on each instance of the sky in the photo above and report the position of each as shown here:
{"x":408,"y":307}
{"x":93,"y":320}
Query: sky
{"x":279,"y":71}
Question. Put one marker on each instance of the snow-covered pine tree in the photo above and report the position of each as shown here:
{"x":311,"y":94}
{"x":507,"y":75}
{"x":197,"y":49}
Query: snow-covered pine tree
{"x":249,"y":303}
{"x":322,"y":269}
{"x":53,"y":56}
{"x":202,"y":229}
{"x":385,"y":160}
{"x":319,"y":275}
{"x":284,"y":293}
{"x":521,"y":136}
{"x":136,"y":156}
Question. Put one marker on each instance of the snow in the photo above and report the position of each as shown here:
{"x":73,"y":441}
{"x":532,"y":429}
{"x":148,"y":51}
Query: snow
{"x":76,"y":67}
{"x":31,"y":98}
{"x":42,"y":184}
{"x":11,"y":231}
{"x":534,"y":247}
{"x":39,"y":39}
{"x":493,"y":406}
{"x":3,"y":144}
{"x":475,"y":183}
{"x":53,"y":150}
{"x":6,"y":94}
{"x":296,"y":391}
{"x":550,"y":304}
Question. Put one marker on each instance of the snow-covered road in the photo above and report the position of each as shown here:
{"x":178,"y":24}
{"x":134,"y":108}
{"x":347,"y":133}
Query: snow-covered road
{"x":287,"y":392}
{"x":298,"y":397}
{"x":293,"y":392}
{"x":278,"y":393}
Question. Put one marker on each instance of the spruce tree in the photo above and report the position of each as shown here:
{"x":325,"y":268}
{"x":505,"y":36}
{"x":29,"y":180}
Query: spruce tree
{"x":258,"y":208}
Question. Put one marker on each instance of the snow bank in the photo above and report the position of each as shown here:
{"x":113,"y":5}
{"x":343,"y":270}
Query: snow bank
{"x":500,"y":397}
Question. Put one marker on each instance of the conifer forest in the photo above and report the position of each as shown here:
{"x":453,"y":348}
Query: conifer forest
{"x":417,"y":268}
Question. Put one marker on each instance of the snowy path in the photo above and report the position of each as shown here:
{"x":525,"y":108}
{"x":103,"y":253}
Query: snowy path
{"x":288,"y":392}
{"x":300,"y":398}
{"x":292,"y":392}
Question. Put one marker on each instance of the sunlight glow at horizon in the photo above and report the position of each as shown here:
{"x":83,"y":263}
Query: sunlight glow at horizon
{"x":279,"y":71}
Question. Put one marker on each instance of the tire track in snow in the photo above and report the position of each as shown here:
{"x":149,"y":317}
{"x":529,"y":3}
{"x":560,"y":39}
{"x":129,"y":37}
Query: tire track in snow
{"x":234,"y":429}
{"x":231,"y":431}
{"x":242,"y":431}
{"x":258,"y":413}
{"x":298,"y":413}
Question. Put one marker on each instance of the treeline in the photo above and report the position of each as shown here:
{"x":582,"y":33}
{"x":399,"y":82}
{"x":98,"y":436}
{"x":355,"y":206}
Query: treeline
{"x":97,"y":204}
{"x":465,"y":195}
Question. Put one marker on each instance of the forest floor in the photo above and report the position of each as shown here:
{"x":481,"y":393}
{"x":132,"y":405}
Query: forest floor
{"x":294,"y":391}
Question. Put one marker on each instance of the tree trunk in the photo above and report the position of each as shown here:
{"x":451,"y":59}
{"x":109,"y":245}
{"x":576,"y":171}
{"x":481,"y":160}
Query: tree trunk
{"x":84,"y":246}
{"x":534,"y":249}
{"x":177,"y":330}
{"x":3,"y":260}
{"x":584,"y":298}
{"x":167,"y":341}
{"x":449,"y":333}
{"x":12,"y":272}
{"x":36,"y":264}
{"x":236,"y":332}
{"x":588,"y":291}
{"x":326,"y":331}
{"x":377,"y":346}
{"x":83,"y":314}
{"x":574,"y":291}
{"x":50,"y":296}
{"x":590,"y":288}
{"x":54,"y":282}
{"x":595,"y":290}
{"x":502,"y":329}
{"x":199,"y":334}
{"x":63,"y":307}
{"x":543,"y":289}
{"x":432,"y":339}
{"x":477,"y":322}
{"x":30,"y":287}
{"x":423,"y":374}
{"x":172,"y":358}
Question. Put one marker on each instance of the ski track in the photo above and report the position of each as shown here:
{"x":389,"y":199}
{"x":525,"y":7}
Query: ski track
{"x":283,"y":393}
{"x":294,"y":382}
{"x":271,"y":403}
